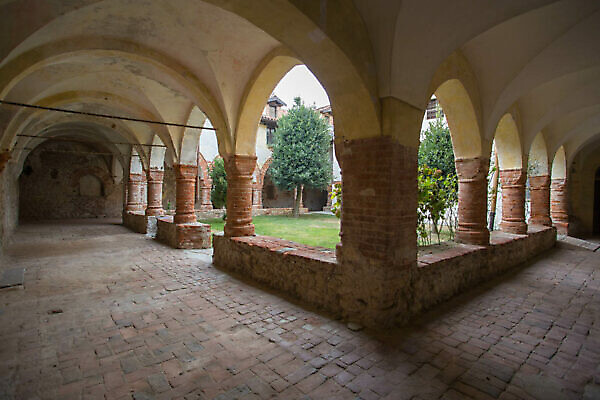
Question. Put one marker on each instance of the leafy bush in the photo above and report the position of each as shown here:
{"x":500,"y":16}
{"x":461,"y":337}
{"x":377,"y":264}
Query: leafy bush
{"x":437,"y":197}
{"x":336,"y":200}
{"x":218,"y":191}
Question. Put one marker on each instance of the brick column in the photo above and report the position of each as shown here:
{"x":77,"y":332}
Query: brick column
{"x":472,"y":201}
{"x":559,"y":206}
{"x":185,"y":179}
{"x":239,"y":170}
{"x":380,"y":186}
{"x":378,"y":228}
{"x":513,"y":201}
{"x":256,"y":196}
{"x":205,"y":186}
{"x":539,"y":193}
{"x":155,"y":182}
{"x":134,"y":193}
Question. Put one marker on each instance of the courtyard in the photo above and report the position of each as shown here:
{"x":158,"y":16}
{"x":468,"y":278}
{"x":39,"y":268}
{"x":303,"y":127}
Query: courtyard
{"x":106,"y":313}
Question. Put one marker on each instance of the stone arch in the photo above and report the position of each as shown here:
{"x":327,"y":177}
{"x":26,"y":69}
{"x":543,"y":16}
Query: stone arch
{"x":157,"y":154}
{"x":559,"y":165}
{"x":538,"y":157}
{"x":25,"y":117}
{"x":455,"y":86}
{"x":266,"y":76}
{"x":348,"y":80}
{"x":260,"y":178}
{"x":50,"y":53}
{"x":189,"y":146}
{"x":49,"y":127}
{"x":203,"y":168}
{"x":98,"y":173}
{"x":508,"y":143}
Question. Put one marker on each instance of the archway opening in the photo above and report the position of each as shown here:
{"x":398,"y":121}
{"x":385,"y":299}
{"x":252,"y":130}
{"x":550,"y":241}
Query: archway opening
{"x":67,"y":180}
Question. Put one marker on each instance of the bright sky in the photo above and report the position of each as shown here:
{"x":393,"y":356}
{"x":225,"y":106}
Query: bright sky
{"x":301,"y":82}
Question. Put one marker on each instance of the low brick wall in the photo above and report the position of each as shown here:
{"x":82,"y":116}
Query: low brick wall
{"x":136,"y":221}
{"x":313,"y":275}
{"x":255,"y":211}
{"x":182,"y":236}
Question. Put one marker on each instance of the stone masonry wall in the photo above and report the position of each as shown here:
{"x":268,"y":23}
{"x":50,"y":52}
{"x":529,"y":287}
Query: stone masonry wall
{"x":313,"y":275}
{"x":136,"y":221}
{"x":59,"y":180}
{"x":182,"y":236}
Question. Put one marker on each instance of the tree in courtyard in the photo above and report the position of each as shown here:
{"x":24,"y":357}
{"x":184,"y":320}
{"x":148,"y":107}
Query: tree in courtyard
{"x":301,"y":152}
{"x":218,"y":191}
{"x":435,"y":150}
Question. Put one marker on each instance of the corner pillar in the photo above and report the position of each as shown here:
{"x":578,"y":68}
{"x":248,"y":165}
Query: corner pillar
{"x":472,"y":201}
{"x":513,"y":201}
{"x":239,"y":170}
{"x":378,"y":228}
{"x":185,"y":179}
{"x":559,"y":206}
{"x":155,"y":183}
{"x":539,"y":193}
{"x":134,"y":193}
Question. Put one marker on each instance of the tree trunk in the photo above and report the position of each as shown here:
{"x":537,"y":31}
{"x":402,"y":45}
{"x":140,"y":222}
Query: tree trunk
{"x":297,"y":201}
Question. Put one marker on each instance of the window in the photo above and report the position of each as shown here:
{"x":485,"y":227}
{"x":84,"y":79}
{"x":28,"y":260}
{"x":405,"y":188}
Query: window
{"x":270,"y":132}
{"x":273,"y":111}
{"x":433,"y":108}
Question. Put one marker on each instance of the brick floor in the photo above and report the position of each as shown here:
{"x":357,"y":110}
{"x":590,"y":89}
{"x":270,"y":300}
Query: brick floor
{"x":110,"y":314}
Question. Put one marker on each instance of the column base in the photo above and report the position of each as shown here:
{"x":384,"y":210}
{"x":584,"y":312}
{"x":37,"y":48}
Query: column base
{"x":562,"y":228}
{"x":242,"y":230}
{"x":155,"y":212}
{"x":185,"y":218}
{"x":475,"y":237}
{"x":517,"y":228}
{"x":543,"y":221}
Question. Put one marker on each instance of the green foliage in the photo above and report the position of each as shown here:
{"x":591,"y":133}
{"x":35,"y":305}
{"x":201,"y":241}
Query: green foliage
{"x":436,"y":150}
{"x":311,"y":229}
{"x":437,"y":197}
{"x":336,"y":200}
{"x":218,"y":191}
{"x":301,"y":151}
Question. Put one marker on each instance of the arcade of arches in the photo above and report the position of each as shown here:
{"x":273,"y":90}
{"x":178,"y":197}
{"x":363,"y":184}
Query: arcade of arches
{"x":510,"y":83}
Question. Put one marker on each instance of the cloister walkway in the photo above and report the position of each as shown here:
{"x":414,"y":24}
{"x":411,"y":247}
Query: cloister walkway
{"x":105,"y":313}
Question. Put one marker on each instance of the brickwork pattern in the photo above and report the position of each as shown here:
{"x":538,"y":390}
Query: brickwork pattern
{"x":539,"y":192}
{"x":239,"y":171}
{"x":380,"y":187}
{"x":155,"y":183}
{"x":472,"y":201}
{"x":145,"y":321}
{"x":185,"y":178}
{"x":513,"y":201}
{"x":134,"y":193}
{"x":313,"y":275}
{"x":559,"y":205}
{"x":182,"y":236}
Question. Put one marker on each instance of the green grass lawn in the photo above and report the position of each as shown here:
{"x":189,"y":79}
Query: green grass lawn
{"x":312,"y":229}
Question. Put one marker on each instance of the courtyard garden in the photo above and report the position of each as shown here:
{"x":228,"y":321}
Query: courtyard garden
{"x":312,"y":229}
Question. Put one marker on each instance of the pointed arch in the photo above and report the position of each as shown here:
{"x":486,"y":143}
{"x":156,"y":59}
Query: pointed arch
{"x":559,"y":164}
{"x":538,"y":157}
{"x":508,"y":143}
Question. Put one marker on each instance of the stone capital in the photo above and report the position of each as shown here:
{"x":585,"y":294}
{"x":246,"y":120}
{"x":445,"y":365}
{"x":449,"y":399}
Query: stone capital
{"x":240,"y":165}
